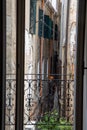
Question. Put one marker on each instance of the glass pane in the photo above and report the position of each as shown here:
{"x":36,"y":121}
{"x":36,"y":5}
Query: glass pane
{"x":10,"y":64}
{"x":49,"y":79}
{"x":31,"y":71}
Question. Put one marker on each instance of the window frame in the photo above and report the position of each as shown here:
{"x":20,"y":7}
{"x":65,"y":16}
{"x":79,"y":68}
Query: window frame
{"x":20,"y":50}
{"x":2,"y":61}
{"x":79,"y":65}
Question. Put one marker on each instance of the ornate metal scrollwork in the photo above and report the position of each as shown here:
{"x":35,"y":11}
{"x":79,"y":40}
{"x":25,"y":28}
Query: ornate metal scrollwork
{"x":40,"y":96}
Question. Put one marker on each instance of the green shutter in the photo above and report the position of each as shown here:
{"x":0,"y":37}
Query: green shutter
{"x":46,"y":26}
{"x":32,"y":16}
{"x":50,"y":29}
{"x":40,"y":22}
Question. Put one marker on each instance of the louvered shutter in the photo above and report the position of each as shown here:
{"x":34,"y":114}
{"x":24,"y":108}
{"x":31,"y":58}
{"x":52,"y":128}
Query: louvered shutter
{"x":40,"y":25}
{"x":50,"y":29}
{"x":46,"y":26}
{"x":32,"y":16}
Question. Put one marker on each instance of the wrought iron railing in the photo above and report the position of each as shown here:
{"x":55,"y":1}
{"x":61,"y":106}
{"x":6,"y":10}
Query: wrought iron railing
{"x":10,"y":102}
{"x":42,"y":94}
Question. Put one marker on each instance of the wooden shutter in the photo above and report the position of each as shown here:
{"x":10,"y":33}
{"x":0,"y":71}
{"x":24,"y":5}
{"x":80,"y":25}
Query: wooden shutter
{"x":40,"y":26}
{"x":32,"y":16}
{"x":46,"y":26}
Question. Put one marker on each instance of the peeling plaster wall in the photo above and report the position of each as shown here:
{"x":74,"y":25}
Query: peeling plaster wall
{"x":11,"y":37}
{"x":32,"y":48}
{"x":10,"y":62}
{"x":71,"y":47}
{"x":68,"y":44}
{"x":72,"y":35}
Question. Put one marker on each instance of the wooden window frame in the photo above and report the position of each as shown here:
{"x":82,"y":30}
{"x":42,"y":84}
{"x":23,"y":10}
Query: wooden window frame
{"x":20,"y":48}
{"x":20,"y":31}
{"x":79,"y":65}
{"x":2,"y":61}
{"x":20,"y":54}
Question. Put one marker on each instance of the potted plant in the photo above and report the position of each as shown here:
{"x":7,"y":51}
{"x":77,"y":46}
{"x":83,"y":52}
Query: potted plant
{"x":51,"y":121}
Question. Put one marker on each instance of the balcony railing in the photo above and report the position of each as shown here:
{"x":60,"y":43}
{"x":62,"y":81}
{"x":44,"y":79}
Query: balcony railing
{"x":42,"y":94}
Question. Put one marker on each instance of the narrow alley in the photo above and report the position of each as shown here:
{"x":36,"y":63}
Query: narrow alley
{"x":43,"y":67}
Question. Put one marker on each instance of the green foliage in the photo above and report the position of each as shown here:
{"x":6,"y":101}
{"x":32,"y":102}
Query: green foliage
{"x":51,"y":121}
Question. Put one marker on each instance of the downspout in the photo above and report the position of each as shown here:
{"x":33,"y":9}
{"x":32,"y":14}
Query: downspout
{"x":53,"y":40}
{"x":41,"y":49}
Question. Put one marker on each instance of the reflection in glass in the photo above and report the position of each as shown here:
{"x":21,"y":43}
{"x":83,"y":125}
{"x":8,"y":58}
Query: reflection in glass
{"x":10,"y":64}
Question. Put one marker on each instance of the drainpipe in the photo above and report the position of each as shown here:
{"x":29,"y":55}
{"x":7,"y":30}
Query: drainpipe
{"x":66,"y":39}
{"x":41,"y":49}
{"x":52,"y":45}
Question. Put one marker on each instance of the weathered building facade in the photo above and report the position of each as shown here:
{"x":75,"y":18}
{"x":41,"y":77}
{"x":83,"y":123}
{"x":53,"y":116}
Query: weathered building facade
{"x":49,"y":42}
{"x":68,"y":52}
{"x":41,"y":50}
{"x":12,"y":86}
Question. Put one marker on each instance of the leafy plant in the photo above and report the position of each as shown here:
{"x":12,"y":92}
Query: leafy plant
{"x":51,"y":121}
